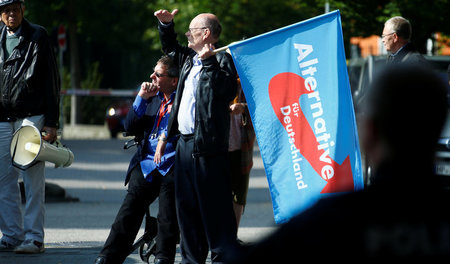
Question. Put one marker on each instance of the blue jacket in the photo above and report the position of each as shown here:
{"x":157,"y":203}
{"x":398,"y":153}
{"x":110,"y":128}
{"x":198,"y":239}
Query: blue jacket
{"x":141,"y":128}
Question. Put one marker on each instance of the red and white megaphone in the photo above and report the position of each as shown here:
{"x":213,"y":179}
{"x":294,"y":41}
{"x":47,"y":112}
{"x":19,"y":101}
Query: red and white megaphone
{"x":28,"y":147}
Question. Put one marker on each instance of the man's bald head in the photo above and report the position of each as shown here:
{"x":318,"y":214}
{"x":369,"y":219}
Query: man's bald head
{"x":212,"y":23}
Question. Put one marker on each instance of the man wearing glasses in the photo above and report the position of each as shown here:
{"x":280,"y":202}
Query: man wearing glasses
{"x":207,"y":85}
{"x":396,"y":39}
{"x":150,"y":172}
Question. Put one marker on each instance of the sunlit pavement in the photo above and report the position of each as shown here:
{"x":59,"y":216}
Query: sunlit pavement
{"x":75,"y":231}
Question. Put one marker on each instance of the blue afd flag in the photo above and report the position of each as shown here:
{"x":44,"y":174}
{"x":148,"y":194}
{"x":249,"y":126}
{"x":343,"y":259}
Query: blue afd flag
{"x":296,"y":84}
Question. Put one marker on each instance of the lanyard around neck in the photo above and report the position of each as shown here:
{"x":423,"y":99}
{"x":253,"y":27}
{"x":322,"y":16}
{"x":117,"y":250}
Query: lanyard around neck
{"x":163,"y":110}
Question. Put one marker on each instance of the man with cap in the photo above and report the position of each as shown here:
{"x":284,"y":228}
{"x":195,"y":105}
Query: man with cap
{"x":29,"y":95}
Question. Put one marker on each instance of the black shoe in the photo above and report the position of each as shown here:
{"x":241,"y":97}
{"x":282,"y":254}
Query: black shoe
{"x":162,"y":261}
{"x":100,"y":260}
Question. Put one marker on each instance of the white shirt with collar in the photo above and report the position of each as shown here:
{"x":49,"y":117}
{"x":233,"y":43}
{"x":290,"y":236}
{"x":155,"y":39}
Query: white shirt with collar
{"x":186,"y":112}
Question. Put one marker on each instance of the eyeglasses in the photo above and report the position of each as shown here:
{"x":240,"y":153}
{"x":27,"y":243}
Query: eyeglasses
{"x":190,"y":29}
{"x":159,"y":75}
{"x":383,"y":36}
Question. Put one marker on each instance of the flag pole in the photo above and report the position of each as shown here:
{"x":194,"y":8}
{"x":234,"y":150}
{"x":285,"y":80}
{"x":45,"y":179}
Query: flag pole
{"x":220,"y":49}
{"x":224,"y":47}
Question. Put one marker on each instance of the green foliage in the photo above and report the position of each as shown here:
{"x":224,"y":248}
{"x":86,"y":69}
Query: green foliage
{"x":65,"y":99}
{"x":122,"y":37}
{"x":240,"y":18}
{"x":122,"y":34}
{"x":94,"y":107}
{"x":93,"y":79}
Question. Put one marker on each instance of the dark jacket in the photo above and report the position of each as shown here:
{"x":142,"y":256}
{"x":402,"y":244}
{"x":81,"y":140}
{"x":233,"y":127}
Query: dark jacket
{"x":408,"y":54}
{"x":29,"y":78}
{"x":141,"y":128}
{"x":217,"y":87}
{"x":404,"y":214}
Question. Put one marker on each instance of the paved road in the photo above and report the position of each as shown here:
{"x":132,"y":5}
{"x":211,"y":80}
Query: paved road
{"x":75,"y":231}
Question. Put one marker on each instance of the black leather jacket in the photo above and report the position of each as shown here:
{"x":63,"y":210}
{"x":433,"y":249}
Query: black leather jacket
{"x":217,"y":87}
{"x":29,"y":78}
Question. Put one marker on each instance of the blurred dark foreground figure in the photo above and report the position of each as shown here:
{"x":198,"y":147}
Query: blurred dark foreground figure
{"x":404,"y":212}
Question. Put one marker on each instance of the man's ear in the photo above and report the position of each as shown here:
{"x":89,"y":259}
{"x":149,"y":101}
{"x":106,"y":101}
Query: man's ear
{"x":206,"y":34}
{"x":175,"y":81}
{"x":396,"y":38}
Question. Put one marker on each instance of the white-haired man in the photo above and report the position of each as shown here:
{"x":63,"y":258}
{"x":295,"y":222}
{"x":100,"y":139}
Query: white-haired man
{"x":396,"y":38}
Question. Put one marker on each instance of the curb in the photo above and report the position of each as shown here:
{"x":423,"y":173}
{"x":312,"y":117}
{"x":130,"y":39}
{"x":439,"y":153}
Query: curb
{"x":81,"y":131}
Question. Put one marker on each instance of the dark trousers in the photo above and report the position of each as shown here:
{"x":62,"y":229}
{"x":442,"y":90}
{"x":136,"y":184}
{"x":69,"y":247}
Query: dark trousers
{"x":204,"y":205}
{"x":140,"y":195}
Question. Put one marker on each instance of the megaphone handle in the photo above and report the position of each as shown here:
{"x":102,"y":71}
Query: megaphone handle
{"x":15,"y":149}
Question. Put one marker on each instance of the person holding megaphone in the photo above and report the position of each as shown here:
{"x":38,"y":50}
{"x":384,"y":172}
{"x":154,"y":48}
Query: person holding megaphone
{"x":29,"y":96}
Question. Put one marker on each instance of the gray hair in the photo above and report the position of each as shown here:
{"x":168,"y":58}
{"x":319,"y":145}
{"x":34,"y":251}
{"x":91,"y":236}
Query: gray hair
{"x":401,"y":27}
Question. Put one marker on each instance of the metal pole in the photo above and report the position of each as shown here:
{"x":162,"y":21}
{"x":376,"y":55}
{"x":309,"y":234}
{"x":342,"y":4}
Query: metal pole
{"x":61,"y":101}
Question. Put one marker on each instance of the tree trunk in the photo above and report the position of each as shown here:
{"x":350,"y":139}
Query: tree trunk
{"x":75,"y":75}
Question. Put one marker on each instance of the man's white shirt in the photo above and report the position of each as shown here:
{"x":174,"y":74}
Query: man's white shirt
{"x":186,"y":113}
